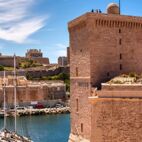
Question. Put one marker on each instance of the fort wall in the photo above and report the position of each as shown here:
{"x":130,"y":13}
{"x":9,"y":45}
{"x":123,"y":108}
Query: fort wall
{"x":103,"y":46}
{"x":117,"y":120}
{"x":115,"y":46}
{"x":8,"y":61}
{"x":41,"y":60}
{"x":121,"y":87}
{"x":30,"y":91}
{"x":80,"y":82}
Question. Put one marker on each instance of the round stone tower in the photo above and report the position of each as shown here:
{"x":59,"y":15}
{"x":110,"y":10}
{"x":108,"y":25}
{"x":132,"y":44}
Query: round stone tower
{"x":113,"y":8}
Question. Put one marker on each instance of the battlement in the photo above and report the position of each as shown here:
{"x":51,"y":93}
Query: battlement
{"x":106,"y":20}
{"x":34,"y":53}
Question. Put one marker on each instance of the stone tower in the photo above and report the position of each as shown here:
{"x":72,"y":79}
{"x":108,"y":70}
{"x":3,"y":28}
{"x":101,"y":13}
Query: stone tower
{"x":102,"y":46}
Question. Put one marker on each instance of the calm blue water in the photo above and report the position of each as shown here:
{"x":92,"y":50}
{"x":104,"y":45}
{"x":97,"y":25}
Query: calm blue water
{"x":45,"y":128}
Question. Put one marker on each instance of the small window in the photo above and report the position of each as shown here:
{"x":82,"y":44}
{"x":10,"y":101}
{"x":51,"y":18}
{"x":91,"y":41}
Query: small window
{"x":58,"y":88}
{"x":120,"y":66}
{"x":120,"y":56}
{"x":76,"y":71}
{"x":83,"y":84}
{"x":80,"y":50}
{"x":81,"y":127}
{"x":77,"y":105}
{"x":120,"y":41}
{"x":119,"y":30}
{"x":108,"y":74}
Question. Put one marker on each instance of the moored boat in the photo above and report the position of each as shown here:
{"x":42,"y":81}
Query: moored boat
{"x":1,"y":114}
{"x":6,"y":135}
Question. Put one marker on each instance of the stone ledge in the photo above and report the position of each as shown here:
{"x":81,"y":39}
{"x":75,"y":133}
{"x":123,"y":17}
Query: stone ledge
{"x":75,"y":138}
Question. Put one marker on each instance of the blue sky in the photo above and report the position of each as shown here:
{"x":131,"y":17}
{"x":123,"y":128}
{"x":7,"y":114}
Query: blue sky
{"x":42,"y":24}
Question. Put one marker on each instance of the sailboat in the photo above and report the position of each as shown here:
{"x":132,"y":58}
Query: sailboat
{"x":6,"y":135}
{"x":2,"y":112}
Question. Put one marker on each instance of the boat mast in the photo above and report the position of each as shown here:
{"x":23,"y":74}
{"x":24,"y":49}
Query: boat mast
{"x":15,"y":95}
{"x":4,"y":95}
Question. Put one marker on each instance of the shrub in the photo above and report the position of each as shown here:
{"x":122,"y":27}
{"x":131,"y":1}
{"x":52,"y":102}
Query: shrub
{"x":116,"y":82}
{"x":1,"y":68}
{"x":124,"y":75}
{"x":28,"y":76}
{"x":132,"y":74}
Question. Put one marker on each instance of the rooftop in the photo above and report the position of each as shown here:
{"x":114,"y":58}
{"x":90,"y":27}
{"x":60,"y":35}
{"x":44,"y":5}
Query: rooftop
{"x":22,"y":81}
{"x":131,"y":78}
{"x":34,"y":51}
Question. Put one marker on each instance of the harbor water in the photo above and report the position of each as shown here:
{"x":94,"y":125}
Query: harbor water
{"x":42,"y":128}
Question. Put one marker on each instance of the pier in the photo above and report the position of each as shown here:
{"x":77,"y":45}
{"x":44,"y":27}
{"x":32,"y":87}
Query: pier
{"x":44,"y":111}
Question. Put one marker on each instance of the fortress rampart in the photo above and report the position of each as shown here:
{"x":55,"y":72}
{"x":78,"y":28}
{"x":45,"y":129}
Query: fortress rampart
{"x":30,"y":91}
{"x":103,"y":46}
{"x":8,"y":61}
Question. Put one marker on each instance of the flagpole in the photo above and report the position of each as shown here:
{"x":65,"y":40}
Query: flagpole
{"x":119,"y":6}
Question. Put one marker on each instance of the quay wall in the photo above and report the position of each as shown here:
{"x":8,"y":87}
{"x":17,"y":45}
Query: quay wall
{"x":37,"y":93}
{"x":37,"y":73}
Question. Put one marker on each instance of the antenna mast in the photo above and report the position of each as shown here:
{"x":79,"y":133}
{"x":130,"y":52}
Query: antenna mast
{"x":119,"y":6}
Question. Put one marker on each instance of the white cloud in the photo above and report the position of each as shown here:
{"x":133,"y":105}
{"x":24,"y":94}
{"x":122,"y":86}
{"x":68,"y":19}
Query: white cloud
{"x":21,"y":31}
{"x":13,"y":10}
{"x":16,"y":23}
{"x":62,"y":53}
{"x":61,"y":49}
{"x":60,"y":45}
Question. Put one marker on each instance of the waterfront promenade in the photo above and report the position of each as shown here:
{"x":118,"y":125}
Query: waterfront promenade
{"x":26,"y":111}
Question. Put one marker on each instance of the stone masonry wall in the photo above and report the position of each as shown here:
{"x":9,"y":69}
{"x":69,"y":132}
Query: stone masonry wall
{"x":80,"y":108}
{"x":27,"y":94}
{"x":42,"y":60}
{"x":80,"y":81}
{"x":119,"y":93}
{"x":8,"y":61}
{"x":122,"y":87}
{"x":103,"y":46}
{"x":117,"y":120}
{"x":115,"y":45}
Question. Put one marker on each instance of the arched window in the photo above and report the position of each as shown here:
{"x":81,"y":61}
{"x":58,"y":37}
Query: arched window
{"x":76,"y":71}
{"x":77,"y":105}
{"x":81,"y":127}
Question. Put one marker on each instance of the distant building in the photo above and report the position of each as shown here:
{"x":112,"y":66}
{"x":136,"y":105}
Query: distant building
{"x":34,"y":53}
{"x":62,"y":61}
{"x":31,"y":91}
{"x":37,"y":56}
{"x":8,"y":61}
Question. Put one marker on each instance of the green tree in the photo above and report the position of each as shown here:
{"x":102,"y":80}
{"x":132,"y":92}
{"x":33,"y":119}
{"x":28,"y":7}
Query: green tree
{"x":28,"y":76}
{"x":1,"y":68}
